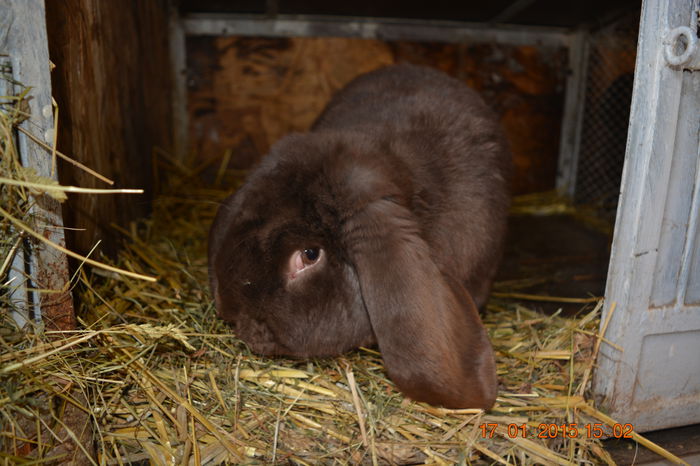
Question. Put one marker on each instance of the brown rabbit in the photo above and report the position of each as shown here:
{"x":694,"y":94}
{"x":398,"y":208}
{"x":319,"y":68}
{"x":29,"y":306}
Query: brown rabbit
{"x":383,"y":224}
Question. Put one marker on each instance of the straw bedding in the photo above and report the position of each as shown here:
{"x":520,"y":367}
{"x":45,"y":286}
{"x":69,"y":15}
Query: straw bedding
{"x":163,"y":381}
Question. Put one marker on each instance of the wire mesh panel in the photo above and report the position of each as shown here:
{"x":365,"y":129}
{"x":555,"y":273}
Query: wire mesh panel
{"x":610,"y":73}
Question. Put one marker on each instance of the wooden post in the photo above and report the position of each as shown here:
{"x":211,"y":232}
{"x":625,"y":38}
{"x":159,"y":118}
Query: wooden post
{"x":26,"y":44}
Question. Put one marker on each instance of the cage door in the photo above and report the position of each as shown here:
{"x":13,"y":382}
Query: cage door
{"x":652,"y":379}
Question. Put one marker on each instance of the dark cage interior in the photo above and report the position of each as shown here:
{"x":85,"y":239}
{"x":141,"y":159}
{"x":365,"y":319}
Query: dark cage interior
{"x":606,"y":114}
{"x":527,"y":12}
{"x":188,"y":116}
{"x":245,"y":93}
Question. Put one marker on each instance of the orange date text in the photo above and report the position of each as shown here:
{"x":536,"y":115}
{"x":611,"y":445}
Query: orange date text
{"x":552,"y":430}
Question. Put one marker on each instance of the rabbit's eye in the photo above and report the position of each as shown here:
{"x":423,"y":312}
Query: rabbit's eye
{"x":303,"y":260}
{"x":311,"y":255}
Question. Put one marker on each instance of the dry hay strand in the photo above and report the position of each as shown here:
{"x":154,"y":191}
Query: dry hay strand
{"x":164,"y":381}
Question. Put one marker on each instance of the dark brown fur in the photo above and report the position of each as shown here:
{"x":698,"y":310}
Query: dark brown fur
{"x":403,"y":181}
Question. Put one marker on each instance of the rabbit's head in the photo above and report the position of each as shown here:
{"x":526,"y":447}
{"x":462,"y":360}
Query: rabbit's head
{"x":279,"y":270}
{"x":319,"y":252}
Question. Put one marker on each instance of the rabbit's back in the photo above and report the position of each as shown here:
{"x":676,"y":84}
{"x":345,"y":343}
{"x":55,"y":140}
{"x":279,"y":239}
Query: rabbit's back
{"x":451,"y":143}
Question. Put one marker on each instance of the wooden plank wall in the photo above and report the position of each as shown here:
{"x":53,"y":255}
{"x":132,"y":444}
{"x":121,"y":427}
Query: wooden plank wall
{"x":245,"y":93}
{"x":112,"y":82}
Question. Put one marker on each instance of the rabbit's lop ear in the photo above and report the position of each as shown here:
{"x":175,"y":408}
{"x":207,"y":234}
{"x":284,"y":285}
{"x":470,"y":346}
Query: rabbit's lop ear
{"x":433,"y":343}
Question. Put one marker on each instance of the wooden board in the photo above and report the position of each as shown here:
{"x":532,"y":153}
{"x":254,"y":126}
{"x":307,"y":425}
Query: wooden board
{"x":113,"y":86}
{"x":245,"y":93}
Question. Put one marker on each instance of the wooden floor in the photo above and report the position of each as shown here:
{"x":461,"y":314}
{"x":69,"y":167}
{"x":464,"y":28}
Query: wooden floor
{"x":682,"y":441}
{"x":563,"y":256}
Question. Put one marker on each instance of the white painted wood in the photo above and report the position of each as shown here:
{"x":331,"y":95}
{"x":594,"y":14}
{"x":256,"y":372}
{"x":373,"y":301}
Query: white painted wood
{"x":384,"y":29}
{"x":572,"y":118}
{"x":16,"y":279}
{"x":679,"y":201}
{"x":655,"y":381}
{"x":25,"y":43}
